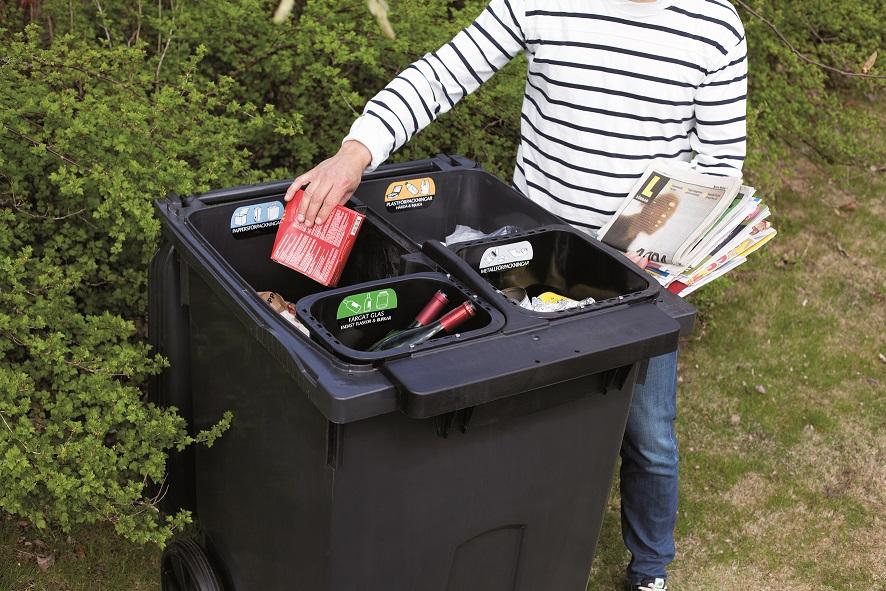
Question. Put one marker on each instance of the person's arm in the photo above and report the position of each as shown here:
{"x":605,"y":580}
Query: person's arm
{"x":719,"y":138}
{"x":418,"y":95}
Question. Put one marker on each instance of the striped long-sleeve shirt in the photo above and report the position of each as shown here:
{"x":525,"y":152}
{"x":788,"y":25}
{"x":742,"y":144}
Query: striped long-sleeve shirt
{"x":611,"y":85}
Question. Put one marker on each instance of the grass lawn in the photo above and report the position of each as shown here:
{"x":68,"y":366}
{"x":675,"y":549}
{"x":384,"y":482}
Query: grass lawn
{"x":782,"y":420}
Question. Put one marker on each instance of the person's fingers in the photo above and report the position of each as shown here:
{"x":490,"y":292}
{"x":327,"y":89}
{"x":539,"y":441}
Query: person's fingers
{"x":327,"y":207}
{"x":312,"y":192}
{"x":318,"y":195}
{"x":336,"y":196}
{"x":346,"y":195}
{"x":290,"y":192}
{"x":303,"y":206}
{"x":637,"y":259}
{"x":297,"y":184}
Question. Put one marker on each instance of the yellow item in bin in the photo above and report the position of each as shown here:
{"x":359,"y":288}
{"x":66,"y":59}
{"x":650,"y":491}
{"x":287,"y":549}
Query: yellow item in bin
{"x":549,"y":301}
{"x":550,"y":297}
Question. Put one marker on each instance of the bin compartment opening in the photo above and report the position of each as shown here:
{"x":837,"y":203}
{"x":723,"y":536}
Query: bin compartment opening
{"x":350,"y":320}
{"x":375,"y":255}
{"x":559,"y":261}
{"x":429,"y":206}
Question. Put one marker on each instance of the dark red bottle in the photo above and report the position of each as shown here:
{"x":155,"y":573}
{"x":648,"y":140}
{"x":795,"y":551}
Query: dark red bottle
{"x":431,"y":310}
{"x":427,"y":315}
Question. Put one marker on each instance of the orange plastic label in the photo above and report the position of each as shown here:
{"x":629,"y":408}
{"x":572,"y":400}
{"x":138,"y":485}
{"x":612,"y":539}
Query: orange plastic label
{"x":410,"y":194}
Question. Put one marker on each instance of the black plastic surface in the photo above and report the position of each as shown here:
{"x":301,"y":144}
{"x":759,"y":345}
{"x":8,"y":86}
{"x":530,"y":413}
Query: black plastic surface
{"x":511,"y":498}
{"x":168,"y":334}
{"x":560,"y":351}
{"x":678,"y":309}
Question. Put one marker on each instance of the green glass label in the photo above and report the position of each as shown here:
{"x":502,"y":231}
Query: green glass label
{"x":367,"y":302}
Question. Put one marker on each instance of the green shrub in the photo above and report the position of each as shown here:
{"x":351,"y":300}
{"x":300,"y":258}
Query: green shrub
{"x":102,"y":111}
{"x":794,"y":105}
{"x":88,"y":141}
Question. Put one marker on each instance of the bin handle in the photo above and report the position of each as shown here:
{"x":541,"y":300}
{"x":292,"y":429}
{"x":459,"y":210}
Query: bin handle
{"x":242,"y":192}
{"x":439,"y":163}
{"x":389,"y":170}
{"x":443,"y":256}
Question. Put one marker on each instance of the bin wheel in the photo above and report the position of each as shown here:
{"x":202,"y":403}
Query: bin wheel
{"x":185,"y":567}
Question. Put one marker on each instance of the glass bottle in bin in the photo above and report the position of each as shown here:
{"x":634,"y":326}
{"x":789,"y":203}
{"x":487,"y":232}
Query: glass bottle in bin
{"x":427,"y":315}
{"x":417,"y":336}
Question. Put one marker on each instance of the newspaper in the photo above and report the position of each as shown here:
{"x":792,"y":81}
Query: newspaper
{"x":743,"y":205}
{"x":760,"y":235}
{"x":753,"y":228}
{"x":715,"y":275}
{"x":739,"y":242}
{"x":668,"y":214}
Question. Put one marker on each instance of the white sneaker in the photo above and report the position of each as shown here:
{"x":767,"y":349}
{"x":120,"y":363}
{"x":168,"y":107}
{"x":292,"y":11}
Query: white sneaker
{"x":652,"y":585}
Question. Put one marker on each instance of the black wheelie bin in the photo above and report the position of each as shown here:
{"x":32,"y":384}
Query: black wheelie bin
{"x":477,"y":461}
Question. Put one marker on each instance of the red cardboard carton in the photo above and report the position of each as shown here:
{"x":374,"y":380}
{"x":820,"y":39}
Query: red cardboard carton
{"x":320,"y":252}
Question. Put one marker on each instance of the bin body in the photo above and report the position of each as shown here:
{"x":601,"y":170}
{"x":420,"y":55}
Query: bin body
{"x":482,"y":463}
{"x":289,"y":500}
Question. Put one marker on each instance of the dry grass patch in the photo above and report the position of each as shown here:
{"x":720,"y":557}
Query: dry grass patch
{"x":848,"y":465}
{"x":750,"y":492}
{"x":737,"y":577}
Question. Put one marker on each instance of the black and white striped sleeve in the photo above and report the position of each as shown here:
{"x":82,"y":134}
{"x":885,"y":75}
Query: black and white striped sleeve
{"x":719,"y":139}
{"x":432,"y":85}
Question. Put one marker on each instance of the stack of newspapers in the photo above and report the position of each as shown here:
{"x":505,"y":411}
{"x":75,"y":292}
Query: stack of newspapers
{"x":691,"y":227}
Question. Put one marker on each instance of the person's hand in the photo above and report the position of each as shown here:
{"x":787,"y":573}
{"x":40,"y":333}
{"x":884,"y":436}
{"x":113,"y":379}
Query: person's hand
{"x":330,"y":183}
{"x":637,"y":259}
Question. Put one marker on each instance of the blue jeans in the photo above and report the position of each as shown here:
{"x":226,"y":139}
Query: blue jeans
{"x":649,"y":472}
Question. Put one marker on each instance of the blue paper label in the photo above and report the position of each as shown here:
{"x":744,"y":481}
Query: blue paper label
{"x":260,"y":216}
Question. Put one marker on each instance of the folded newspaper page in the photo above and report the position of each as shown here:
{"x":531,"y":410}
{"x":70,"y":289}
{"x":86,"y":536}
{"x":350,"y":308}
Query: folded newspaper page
{"x":668,"y":212}
{"x":742,"y":205}
{"x":760,"y":235}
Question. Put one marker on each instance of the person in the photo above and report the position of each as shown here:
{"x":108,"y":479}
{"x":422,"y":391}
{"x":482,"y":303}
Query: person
{"x":611,"y":85}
